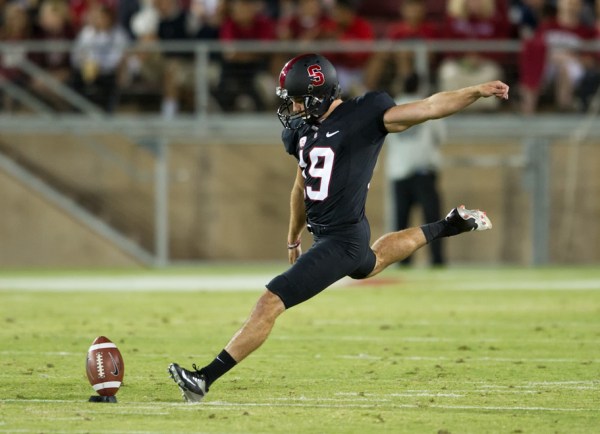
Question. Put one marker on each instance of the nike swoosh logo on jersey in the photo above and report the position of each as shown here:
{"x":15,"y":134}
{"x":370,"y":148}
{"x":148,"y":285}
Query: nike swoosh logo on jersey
{"x":328,"y":134}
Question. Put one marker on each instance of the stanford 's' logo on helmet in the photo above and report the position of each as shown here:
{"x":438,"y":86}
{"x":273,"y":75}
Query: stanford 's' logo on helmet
{"x":316,"y":76}
{"x":310,"y":79}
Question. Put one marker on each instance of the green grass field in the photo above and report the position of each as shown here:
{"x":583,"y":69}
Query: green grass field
{"x":447,"y":351}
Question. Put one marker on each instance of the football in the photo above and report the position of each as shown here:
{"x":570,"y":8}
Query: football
{"x":104,"y":367}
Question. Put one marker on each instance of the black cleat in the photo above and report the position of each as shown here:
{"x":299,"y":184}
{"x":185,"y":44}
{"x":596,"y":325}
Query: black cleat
{"x":465,"y":220}
{"x":193,"y":385}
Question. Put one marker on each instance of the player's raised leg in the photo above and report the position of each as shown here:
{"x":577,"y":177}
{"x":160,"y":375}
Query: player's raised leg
{"x":395,"y":246}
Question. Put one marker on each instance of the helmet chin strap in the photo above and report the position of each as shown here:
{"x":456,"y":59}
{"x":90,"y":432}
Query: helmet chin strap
{"x":314,"y":108}
{"x":326,"y":102}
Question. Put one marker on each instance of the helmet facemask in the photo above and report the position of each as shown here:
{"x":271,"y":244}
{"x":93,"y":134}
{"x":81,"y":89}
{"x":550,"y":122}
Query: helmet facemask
{"x":314,"y":107}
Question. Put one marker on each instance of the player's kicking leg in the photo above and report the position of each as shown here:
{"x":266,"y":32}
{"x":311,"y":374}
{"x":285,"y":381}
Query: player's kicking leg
{"x":465,"y":220}
{"x":192,"y":384}
{"x":395,"y":246}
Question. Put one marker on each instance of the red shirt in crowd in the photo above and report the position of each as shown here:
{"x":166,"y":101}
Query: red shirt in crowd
{"x":261,"y":27}
{"x":556,"y":35}
{"x":549,"y":35}
{"x":297,"y":28}
{"x":358,"y":30}
{"x":79,"y":8}
{"x":477,"y":28}
{"x":402,"y":30}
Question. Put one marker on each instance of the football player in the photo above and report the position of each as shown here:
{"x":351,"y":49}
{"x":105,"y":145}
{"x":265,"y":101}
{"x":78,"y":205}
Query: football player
{"x":336,"y":144}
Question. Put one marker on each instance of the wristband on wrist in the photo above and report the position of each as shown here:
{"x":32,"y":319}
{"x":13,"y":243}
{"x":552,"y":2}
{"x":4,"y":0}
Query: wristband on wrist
{"x":294,"y":244}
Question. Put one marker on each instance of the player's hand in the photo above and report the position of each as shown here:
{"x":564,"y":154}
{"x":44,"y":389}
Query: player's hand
{"x":294,"y":254}
{"x":494,"y":88}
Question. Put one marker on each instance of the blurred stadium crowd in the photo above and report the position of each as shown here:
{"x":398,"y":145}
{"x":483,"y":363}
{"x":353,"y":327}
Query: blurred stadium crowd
{"x":109,"y":61}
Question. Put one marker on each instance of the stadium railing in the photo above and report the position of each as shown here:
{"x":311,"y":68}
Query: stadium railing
{"x":536,"y":133}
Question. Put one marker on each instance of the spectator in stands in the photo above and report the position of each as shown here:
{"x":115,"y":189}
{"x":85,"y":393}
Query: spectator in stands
{"x":144,"y":72}
{"x":589,"y":12}
{"x":280,"y":9}
{"x":308,"y":22}
{"x":32,"y":7}
{"x":205,"y":18}
{"x":170,"y":74}
{"x":552,"y":58}
{"x":80,"y":10}
{"x":126,"y":9}
{"x":413,"y":25}
{"x":3,"y":4}
{"x":475,"y":20}
{"x":349,"y":26}
{"x":176,"y":23}
{"x":241,"y":70}
{"x":97,"y":56}
{"x":53,"y":23}
{"x":172,"y":25}
{"x":17,"y":27}
{"x":526,"y":15}
{"x":16,"y":24}
{"x":178,"y":69}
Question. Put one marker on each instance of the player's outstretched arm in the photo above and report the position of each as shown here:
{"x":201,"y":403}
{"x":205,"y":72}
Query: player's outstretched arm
{"x":440,"y":105}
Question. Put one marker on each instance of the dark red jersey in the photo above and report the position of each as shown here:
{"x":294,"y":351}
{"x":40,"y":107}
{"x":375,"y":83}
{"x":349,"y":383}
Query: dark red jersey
{"x":338,"y":157}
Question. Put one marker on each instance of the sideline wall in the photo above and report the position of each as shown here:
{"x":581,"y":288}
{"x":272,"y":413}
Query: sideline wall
{"x":34,"y":233}
{"x":231,"y":202}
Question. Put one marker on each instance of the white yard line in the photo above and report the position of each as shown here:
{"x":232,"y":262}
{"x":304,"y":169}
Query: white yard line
{"x":358,"y":356}
{"x":250,"y":282}
{"x":361,"y":402}
{"x":135,"y":283}
{"x":540,"y":285}
{"x":467,"y":359}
